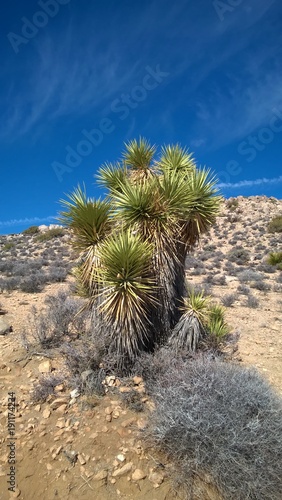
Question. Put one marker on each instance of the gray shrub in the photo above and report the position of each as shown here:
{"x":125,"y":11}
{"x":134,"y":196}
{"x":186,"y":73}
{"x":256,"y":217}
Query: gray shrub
{"x":219,"y":419}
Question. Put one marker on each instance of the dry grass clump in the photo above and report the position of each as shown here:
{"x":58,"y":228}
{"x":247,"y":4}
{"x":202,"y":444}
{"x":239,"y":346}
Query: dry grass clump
{"x":58,"y":322}
{"x":45,"y":387}
{"x":221,"y":420}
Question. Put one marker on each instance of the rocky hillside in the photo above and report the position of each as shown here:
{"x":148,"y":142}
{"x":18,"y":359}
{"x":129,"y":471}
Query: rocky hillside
{"x":71,"y":446}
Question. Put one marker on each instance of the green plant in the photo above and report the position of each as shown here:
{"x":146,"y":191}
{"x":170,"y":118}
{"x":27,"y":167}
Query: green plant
{"x":202,"y":320}
{"x":31,"y":230}
{"x":275,"y":258}
{"x":133,"y":244}
{"x":275,"y":225}
{"x":50,"y":234}
{"x":8,"y":246}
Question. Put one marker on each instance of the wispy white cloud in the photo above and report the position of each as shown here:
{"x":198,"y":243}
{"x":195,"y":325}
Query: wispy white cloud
{"x":255,"y":182}
{"x":27,"y":220}
{"x":66,"y":76}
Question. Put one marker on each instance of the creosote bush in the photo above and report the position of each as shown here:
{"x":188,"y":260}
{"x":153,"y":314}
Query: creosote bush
{"x":275,"y":225}
{"x":30,"y":231}
{"x":219,"y":419}
{"x":50,"y":234}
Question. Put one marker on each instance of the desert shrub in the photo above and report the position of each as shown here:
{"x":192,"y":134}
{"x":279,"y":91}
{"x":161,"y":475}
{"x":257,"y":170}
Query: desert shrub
{"x":252,"y":301}
{"x":57,"y":274}
{"x":9,"y":284}
{"x":8,"y":246}
{"x":45,"y":387}
{"x":266,"y":268}
{"x":261,"y":285}
{"x":32,"y":284}
{"x":31,"y":230}
{"x":279,"y":278}
{"x":219,"y":280}
{"x":238,"y":255}
{"x":274,"y":258}
{"x":229,"y":299}
{"x":83,"y":362}
{"x":275,"y":225}
{"x":221,"y":420}
{"x":60,"y":320}
{"x":48,"y":235}
{"x":232,"y":204}
{"x":244,"y":289}
{"x":6,"y":266}
{"x":249,"y":275}
{"x":277,"y":288}
{"x":132,"y":400}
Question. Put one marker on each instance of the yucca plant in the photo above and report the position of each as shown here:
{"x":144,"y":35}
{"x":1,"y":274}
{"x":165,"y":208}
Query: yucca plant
{"x":191,"y":326}
{"x":274,"y":258}
{"x":133,"y":244}
{"x":216,"y":324}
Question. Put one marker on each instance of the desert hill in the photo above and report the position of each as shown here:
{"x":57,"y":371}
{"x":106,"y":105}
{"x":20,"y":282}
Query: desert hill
{"x":73,"y":446}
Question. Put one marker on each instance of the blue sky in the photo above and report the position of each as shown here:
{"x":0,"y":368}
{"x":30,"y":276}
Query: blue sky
{"x":79,"y":78}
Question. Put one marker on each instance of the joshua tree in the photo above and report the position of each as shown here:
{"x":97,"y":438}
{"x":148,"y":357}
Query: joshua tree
{"x":134,"y":242}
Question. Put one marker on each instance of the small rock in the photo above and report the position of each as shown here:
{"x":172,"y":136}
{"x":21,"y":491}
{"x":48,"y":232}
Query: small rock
{"x":45,"y":367}
{"x":128,"y":422}
{"x":138,"y":474}
{"x":103,"y":474}
{"x":123,"y":470}
{"x":58,"y":402}
{"x":60,"y":423}
{"x":61,"y":409}
{"x":59,"y":388}
{"x":156,"y":478}
{"x":46,"y":413}
{"x":74,"y":394}
{"x":137,"y":380}
{"x":123,"y":389}
{"x":81,"y":459}
{"x":142,"y":423}
{"x":121,"y":457}
{"x":108,"y":410}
